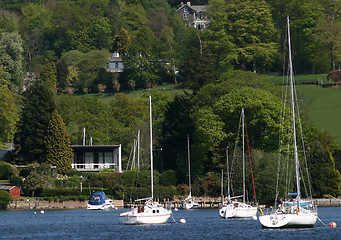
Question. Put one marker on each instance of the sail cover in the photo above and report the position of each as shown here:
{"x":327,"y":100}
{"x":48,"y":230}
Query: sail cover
{"x":97,"y":198}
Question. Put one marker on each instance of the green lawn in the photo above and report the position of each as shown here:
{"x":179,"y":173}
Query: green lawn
{"x":169,"y":88}
{"x":300,"y":78}
{"x":322,"y":106}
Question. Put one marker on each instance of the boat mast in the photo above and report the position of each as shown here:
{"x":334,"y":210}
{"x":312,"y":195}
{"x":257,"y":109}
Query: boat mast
{"x":189,"y":167}
{"x":293,"y":114}
{"x":222,"y":187}
{"x":151,"y":146}
{"x":243,"y":156}
{"x":228,"y":174}
{"x":138,"y":150}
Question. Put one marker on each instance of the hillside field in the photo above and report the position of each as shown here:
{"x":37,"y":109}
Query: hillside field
{"x":319,"y":105}
{"x":323,"y":107}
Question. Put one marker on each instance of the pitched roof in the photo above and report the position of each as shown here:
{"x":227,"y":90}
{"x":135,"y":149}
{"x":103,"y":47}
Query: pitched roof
{"x":6,"y":187}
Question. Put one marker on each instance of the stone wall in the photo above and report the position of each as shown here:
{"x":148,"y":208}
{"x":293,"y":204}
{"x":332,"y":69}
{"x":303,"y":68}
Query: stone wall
{"x":26,"y":205}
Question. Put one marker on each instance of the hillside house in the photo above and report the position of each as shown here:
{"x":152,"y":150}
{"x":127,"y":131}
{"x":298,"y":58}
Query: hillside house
{"x":96,"y":157}
{"x":115,"y":63}
{"x":193,"y":15}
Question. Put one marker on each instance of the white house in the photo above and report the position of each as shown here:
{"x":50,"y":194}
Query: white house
{"x":96,"y":157}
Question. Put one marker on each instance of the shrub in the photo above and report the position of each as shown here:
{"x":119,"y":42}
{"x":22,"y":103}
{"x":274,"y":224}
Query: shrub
{"x":5,"y":199}
{"x":6,"y":170}
{"x":334,"y":76}
{"x":129,"y":178}
{"x":15,"y":180}
{"x":117,"y":191}
{"x":168,"y":178}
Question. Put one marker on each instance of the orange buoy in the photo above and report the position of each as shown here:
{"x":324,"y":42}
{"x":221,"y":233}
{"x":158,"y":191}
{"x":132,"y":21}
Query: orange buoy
{"x":332,"y":224}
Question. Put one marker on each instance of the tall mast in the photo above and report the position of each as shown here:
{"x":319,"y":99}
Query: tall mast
{"x":138,"y":150}
{"x":228,"y":173}
{"x":151,"y":146}
{"x":293,"y":114}
{"x":189,"y":167}
{"x":222,"y":187}
{"x":243,"y":156}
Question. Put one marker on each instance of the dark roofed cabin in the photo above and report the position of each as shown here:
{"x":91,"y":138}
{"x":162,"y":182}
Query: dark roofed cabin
{"x":96,"y":157}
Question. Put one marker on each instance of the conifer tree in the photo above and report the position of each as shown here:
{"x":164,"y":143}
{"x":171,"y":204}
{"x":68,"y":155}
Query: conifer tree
{"x":37,"y":111}
{"x":57,"y":143}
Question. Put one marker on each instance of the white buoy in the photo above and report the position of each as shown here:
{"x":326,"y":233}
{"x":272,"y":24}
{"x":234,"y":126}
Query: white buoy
{"x":115,"y":208}
{"x":254,"y":217}
{"x":182,"y":220}
{"x":42,"y":212}
{"x":35,"y":212}
{"x":176,"y":209}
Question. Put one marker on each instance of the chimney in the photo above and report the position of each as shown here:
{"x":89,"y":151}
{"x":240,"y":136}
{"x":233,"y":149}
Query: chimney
{"x":189,"y":3}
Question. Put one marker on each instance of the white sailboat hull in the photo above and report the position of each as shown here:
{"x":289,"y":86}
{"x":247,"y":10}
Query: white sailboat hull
{"x":293,"y":220}
{"x":189,"y":203}
{"x":237,"y":210}
{"x":146,"y":215}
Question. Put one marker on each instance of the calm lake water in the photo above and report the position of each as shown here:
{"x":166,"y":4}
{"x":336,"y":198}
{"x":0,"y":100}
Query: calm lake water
{"x":201,"y":224}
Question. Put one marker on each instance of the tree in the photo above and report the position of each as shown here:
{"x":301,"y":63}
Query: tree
{"x":127,"y":110}
{"x":89,"y":67}
{"x":33,"y":184}
{"x":8,"y":23}
{"x":243,"y":34}
{"x":8,"y":114}
{"x":325,"y":179}
{"x":121,"y":42}
{"x":49,"y":76}
{"x":142,"y":62}
{"x":58,"y":144}
{"x":37,"y":111}
{"x":174,"y":129}
{"x":11,"y":57}
{"x":5,"y":199}
{"x":330,"y":26}
{"x":6,"y":171}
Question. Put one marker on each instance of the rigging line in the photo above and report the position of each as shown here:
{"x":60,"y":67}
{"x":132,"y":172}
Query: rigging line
{"x":234,"y":156}
{"x":303,"y":145}
{"x":131,"y":152}
{"x":281,"y":133}
{"x":248,"y":147}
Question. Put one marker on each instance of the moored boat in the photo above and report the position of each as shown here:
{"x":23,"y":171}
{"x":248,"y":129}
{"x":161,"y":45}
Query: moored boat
{"x":100,"y":201}
{"x":296,"y":213}
{"x":150,"y":212}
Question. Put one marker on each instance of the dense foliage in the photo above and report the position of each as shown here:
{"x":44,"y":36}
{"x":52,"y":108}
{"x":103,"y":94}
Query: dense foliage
{"x":65,"y":45}
{"x":58,"y":144}
{"x":5,"y":199}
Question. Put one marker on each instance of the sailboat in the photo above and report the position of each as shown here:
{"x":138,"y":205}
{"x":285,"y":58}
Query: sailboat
{"x":297,"y":213}
{"x":147,"y":211}
{"x":235,"y":208}
{"x":189,"y":202}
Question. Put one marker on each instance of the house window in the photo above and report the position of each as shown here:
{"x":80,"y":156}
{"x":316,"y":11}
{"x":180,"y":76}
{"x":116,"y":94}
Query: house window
{"x":108,"y":158}
{"x":185,"y":17}
{"x":89,"y":160}
{"x":116,"y":65}
{"x":186,"y":9}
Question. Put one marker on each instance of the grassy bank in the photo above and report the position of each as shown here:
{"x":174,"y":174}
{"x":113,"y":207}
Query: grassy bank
{"x":322,"y":106}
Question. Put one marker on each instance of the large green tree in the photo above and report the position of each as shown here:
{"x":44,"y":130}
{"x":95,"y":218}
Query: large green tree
{"x":38,"y":106}
{"x":243,"y":33}
{"x":11,"y":57}
{"x":8,"y":113}
{"x":58,"y":144}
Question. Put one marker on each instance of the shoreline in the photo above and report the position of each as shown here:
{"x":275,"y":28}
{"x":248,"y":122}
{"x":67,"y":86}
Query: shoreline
{"x":43,"y":204}
{"x":203,"y":203}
